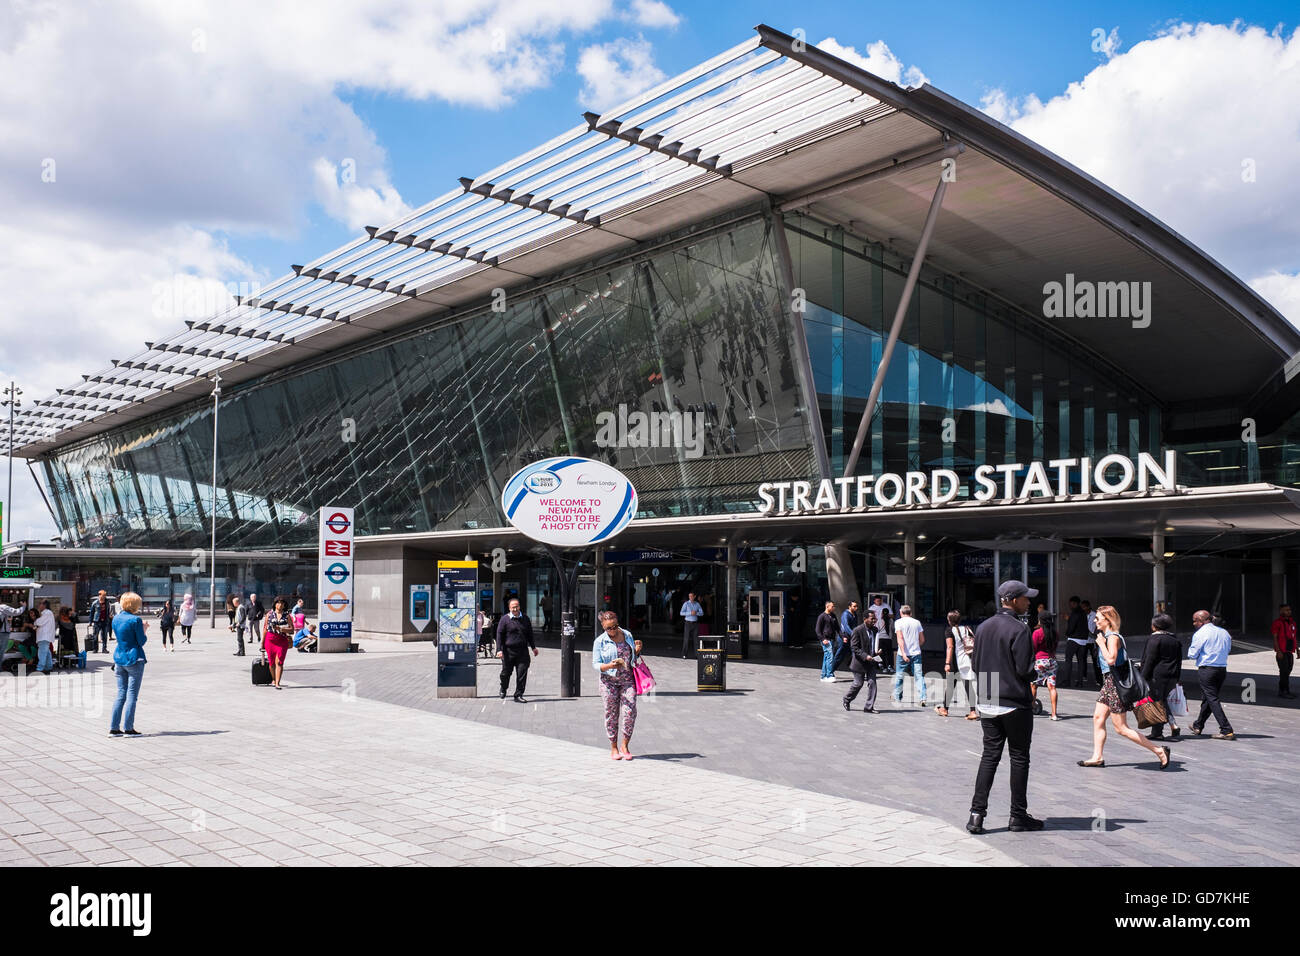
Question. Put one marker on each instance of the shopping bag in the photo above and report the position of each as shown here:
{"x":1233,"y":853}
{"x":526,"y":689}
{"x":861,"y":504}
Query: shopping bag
{"x":1150,"y":713}
{"x":1177,"y":701}
{"x":642,"y":678}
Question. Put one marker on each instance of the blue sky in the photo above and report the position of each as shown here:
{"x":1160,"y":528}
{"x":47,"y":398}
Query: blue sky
{"x":964,"y":49}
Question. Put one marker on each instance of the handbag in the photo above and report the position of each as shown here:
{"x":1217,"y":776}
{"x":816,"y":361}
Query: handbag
{"x":642,"y":678}
{"x":1150,"y":713}
{"x":1130,"y":685}
{"x":1177,"y":701}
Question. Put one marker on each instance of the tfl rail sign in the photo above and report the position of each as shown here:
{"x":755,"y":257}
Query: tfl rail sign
{"x":334,"y":583}
{"x":569,"y":502}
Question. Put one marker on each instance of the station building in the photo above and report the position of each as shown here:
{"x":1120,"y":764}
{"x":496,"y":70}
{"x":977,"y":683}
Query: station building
{"x":699,"y":287}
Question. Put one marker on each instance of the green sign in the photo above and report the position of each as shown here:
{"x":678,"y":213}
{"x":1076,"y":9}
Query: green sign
{"x":17,"y":573}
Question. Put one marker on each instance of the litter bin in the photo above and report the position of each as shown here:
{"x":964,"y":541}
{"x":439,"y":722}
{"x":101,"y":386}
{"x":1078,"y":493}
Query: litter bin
{"x":737,"y":644}
{"x":711,"y":664}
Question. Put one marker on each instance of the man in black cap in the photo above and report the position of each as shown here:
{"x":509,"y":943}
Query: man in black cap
{"x":1004,"y":666}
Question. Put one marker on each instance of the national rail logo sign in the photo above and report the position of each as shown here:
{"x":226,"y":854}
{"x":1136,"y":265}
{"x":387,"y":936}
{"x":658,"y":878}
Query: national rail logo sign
{"x":569,"y":502}
{"x":335,"y":576}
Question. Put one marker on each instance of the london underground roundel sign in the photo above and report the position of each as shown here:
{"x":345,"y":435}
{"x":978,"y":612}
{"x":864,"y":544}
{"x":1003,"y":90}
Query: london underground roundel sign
{"x":569,"y":502}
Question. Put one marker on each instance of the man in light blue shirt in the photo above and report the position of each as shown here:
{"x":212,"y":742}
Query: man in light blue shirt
{"x":692,"y":611}
{"x":1210,"y":647}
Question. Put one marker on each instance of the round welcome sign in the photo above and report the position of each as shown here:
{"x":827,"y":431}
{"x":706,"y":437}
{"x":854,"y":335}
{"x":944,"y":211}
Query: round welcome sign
{"x":569,"y":502}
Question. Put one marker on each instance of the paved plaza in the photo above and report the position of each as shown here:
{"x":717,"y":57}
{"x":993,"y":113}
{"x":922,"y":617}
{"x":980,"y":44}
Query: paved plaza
{"x":357,"y":761}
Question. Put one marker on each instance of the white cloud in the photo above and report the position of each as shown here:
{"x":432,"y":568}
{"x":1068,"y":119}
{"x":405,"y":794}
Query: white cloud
{"x":654,"y":14}
{"x":879,"y":59}
{"x":1282,"y":290}
{"x":354,"y":204}
{"x":616,"y":71}
{"x":1197,"y":127}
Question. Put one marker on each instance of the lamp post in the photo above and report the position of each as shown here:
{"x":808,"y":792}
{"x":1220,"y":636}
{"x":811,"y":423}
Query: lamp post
{"x":212,"y":505}
{"x":11,"y":399}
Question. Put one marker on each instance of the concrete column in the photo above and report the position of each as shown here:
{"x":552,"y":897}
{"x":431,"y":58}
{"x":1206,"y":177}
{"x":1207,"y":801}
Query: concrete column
{"x":1278,"y":560}
{"x":733,"y":584}
{"x":840,"y":579}
{"x":1158,"y":590}
{"x":909,"y":564}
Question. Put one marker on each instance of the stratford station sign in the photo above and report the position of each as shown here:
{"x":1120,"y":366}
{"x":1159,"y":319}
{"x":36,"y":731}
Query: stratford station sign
{"x":1004,"y":484}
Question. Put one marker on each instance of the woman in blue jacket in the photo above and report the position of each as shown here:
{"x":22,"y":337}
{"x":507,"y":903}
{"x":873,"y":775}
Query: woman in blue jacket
{"x":129,"y":661}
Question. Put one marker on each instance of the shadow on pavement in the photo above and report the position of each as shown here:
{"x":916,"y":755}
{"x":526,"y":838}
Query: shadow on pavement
{"x":670,"y":757}
{"x":1110,"y":824}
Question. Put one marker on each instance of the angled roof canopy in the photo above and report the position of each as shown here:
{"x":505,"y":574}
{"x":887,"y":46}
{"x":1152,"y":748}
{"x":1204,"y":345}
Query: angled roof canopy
{"x":769,"y":120}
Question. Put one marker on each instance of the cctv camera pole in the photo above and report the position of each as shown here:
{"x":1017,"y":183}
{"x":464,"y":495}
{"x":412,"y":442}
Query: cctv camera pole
{"x":212,"y":505}
{"x":13,"y":391}
{"x":570,"y":673}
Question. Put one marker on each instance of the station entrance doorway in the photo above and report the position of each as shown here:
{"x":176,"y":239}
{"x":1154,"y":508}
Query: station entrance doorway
{"x":648,"y":588}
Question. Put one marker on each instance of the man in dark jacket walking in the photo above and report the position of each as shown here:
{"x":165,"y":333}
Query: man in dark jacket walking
{"x":864,"y":644}
{"x":101,"y":621}
{"x":255,"y":614}
{"x":514,"y":638}
{"x":1076,"y":644}
{"x":1004,"y":667}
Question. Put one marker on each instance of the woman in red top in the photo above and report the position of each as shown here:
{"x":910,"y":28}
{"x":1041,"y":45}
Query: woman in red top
{"x":1045,"y":641}
{"x":1284,"y":647}
{"x":278,"y":639}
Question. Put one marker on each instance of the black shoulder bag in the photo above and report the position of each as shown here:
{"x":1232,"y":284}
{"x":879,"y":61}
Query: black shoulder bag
{"x":1130,"y":685}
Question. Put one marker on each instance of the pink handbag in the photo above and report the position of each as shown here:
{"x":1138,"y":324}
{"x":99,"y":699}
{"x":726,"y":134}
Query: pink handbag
{"x":642,"y":678}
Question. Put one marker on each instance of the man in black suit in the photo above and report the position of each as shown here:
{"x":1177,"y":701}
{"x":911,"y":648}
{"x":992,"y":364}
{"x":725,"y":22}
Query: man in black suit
{"x":864,"y":647}
{"x":1162,"y":665}
{"x":514,"y":639}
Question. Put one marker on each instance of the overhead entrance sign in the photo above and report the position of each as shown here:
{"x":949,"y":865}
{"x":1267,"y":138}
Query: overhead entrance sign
{"x":334,"y":581}
{"x":569,"y":502}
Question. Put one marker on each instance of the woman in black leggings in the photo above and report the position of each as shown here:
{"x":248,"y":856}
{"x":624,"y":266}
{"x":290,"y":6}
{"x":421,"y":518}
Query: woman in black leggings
{"x":167,"y":624}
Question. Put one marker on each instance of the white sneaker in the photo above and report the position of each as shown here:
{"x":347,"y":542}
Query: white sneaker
{"x":828,"y":680}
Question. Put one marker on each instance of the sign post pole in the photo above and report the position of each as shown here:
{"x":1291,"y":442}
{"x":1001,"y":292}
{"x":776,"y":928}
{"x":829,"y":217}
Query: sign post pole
{"x":570,"y":672}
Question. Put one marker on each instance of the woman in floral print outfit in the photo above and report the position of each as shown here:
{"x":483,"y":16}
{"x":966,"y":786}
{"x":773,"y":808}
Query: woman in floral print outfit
{"x":613,"y":655}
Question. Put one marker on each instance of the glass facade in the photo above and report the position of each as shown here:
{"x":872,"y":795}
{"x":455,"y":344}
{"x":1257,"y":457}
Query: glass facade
{"x":1008,"y":388}
{"x":420,"y":432}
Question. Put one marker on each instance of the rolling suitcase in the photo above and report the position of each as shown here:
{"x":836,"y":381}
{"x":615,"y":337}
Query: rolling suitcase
{"x":261,"y":671}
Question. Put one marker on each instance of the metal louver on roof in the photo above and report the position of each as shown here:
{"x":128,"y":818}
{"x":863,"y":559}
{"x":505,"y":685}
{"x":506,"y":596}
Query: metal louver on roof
{"x":706,"y":122}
